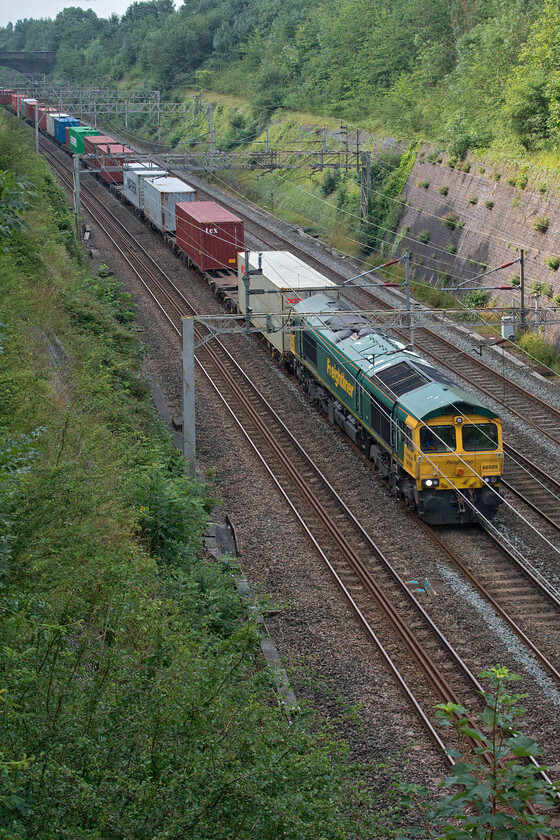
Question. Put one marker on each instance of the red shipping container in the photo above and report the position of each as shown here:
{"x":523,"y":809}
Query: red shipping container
{"x":110,"y":155}
{"x":14,"y":100}
{"x":43,"y":111}
{"x":208,"y":234}
{"x":30,"y":109}
{"x":6,"y":97}
{"x":91,"y":141}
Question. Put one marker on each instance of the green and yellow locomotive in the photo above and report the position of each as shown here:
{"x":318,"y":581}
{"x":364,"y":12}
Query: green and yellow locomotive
{"x":440,"y":449}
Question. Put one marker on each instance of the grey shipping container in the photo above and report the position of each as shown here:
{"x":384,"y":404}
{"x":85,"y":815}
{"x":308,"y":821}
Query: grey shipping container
{"x":160,"y":197}
{"x":134,"y":175}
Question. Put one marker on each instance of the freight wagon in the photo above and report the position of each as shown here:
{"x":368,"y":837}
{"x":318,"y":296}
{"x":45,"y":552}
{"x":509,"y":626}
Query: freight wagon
{"x":60,"y":126}
{"x":160,"y":197}
{"x":209,"y":235}
{"x":77,"y":135}
{"x":50,"y":121}
{"x":286,"y":280}
{"x":110,"y":158}
{"x":30,"y":105}
{"x":134,"y":175}
{"x":43,"y":114}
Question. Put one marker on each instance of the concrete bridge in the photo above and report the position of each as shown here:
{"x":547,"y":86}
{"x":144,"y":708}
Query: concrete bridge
{"x":29,"y":62}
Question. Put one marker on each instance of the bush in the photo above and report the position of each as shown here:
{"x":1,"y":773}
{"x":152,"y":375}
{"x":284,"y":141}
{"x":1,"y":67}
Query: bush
{"x":330,"y":182}
{"x":488,"y":794}
{"x":489,"y":205}
{"x":476,"y":299}
{"x":553,"y":263}
{"x":443,"y":190}
{"x":515,"y":280}
{"x":540,"y":224}
{"x":424,"y":184}
{"x":450,"y":221}
{"x":538,"y":348}
{"x":424,"y":236}
{"x":473,"y":199}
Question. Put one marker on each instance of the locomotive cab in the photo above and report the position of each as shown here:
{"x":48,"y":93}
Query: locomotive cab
{"x":457,"y":463}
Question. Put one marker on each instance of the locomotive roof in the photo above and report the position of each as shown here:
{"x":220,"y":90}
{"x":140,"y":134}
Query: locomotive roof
{"x":420,"y":389}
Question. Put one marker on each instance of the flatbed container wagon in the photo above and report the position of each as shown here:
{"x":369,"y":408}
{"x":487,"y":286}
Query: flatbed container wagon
{"x":160,"y":197}
{"x":287,"y":280}
{"x":134,"y":176}
{"x":77,"y":135}
{"x":209,"y":235}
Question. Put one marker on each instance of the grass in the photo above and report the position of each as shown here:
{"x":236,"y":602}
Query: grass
{"x":540,"y":224}
{"x":451,"y":221}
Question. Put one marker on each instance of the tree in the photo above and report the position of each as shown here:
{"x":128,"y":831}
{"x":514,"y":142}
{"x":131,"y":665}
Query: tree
{"x":15,"y":196}
{"x":496,"y":786}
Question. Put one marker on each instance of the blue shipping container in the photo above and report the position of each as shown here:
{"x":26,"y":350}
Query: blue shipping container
{"x":60,"y":126}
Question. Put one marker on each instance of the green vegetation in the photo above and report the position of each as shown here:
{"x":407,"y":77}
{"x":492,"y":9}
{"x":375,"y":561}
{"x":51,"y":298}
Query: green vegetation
{"x":451,"y":221}
{"x":488,"y":795}
{"x":539,"y":349}
{"x":489,"y":204}
{"x":424,"y":236}
{"x":553,"y":263}
{"x":135,"y":701}
{"x":443,"y":190}
{"x":540,"y":224}
{"x":469,"y":75}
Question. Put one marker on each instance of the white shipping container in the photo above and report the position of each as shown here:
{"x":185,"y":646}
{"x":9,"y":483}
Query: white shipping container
{"x":160,"y":197}
{"x":134,"y":175}
{"x":289,"y":279}
{"x":50,"y":122}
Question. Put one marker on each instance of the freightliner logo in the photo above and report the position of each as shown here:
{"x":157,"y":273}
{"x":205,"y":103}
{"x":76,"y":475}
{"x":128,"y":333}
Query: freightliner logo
{"x":339,"y":379}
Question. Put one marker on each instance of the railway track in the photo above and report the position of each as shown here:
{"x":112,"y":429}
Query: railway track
{"x":367,"y":579}
{"x":539,"y":490}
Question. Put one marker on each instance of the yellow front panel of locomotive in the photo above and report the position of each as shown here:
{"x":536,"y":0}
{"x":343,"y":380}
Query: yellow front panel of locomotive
{"x":460,"y":469}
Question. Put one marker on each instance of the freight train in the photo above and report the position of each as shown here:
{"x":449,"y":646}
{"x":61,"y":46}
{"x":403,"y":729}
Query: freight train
{"x":436,"y":445}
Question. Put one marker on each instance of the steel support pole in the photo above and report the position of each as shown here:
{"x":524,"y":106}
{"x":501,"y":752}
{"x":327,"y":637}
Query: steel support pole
{"x":36,"y":128}
{"x":77,"y":202}
{"x":189,"y":431}
{"x":523,"y":324}
{"x":408,"y":307}
{"x":247,"y":284}
{"x":366,"y":185}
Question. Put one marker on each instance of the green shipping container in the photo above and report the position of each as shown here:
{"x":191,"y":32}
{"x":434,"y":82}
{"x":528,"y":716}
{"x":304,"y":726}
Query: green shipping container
{"x":76,"y":136}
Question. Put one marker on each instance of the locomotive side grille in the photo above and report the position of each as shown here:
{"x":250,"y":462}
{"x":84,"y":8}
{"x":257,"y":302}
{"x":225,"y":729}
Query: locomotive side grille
{"x":402,"y":378}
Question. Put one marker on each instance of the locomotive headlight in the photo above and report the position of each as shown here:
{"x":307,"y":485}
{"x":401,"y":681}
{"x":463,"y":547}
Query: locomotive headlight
{"x":430,"y":482}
